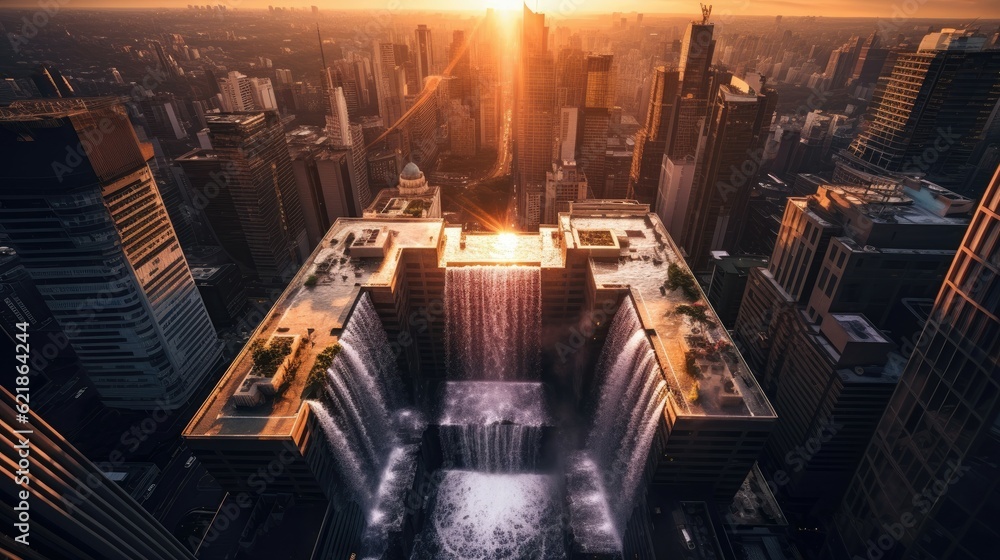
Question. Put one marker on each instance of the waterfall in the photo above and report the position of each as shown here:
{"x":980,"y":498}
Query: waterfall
{"x":499,"y":448}
{"x":492,"y":426}
{"x":362,"y":391}
{"x":632,"y":395}
{"x":493,"y":325}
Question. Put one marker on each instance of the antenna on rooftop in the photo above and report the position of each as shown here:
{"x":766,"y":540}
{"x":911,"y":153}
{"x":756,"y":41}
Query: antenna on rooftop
{"x":706,"y":11}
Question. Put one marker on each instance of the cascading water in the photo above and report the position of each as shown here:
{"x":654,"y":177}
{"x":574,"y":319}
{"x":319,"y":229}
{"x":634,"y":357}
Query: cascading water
{"x":493,"y":323}
{"x":362,"y":391}
{"x":630,"y":381}
{"x":492,"y":426}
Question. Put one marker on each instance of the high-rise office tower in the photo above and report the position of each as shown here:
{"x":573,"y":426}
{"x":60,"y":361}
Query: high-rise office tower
{"x":163,"y":117}
{"x":534,"y":119}
{"x":91,"y":229}
{"x":237,"y":93}
{"x":571,"y":77}
{"x":566,"y":138}
{"x":651,"y":140}
{"x":461,"y":66}
{"x":596,"y":116}
{"x":390,"y":77}
{"x":734,"y":134}
{"x":926,"y":486}
{"x":69,"y":508}
{"x":326,"y":180}
{"x":338,"y":123}
{"x":51,"y":83}
{"x":424,"y":53}
{"x":932,"y":115}
{"x":262,"y":93}
{"x":817,"y":324}
{"x":678,"y":105}
{"x":165,"y":60}
{"x":255,"y":213}
{"x":462,"y":130}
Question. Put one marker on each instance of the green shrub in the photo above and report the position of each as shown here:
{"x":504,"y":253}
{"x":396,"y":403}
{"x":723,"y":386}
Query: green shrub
{"x":318,"y":372}
{"x":678,"y":278}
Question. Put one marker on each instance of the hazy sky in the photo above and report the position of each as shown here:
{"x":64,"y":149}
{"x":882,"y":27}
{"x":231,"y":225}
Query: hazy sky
{"x":844,"y":8}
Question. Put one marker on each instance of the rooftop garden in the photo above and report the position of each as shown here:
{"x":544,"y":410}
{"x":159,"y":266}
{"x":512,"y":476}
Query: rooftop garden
{"x":416,"y":208}
{"x":680,"y":279}
{"x":318,"y":372}
{"x":267,"y":359}
{"x":596,"y":238}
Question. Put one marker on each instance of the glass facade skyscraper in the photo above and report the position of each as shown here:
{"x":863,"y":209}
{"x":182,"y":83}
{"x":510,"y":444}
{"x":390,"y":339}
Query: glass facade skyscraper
{"x":80,"y":206}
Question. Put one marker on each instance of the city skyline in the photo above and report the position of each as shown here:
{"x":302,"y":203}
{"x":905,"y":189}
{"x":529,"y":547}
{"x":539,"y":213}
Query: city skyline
{"x":885,"y":9}
{"x":500,"y":280}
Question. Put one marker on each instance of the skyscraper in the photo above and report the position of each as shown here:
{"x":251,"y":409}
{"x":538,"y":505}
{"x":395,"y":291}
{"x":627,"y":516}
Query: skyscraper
{"x":596,"y":116}
{"x":237,"y":93}
{"x":733,"y":135}
{"x":651,"y":141}
{"x":932,"y":115}
{"x":255,"y":211}
{"x":96,"y":239}
{"x":678,"y":105}
{"x":72,"y":509}
{"x":424,"y":53}
{"x":390,"y":77}
{"x":534,"y":119}
{"x":21,"y":302}
{"x":927,"y":484}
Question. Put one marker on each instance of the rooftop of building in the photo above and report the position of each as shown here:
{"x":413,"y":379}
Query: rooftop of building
{"x":322,"y":307}
{"x":233,"y":118}
{"x":916,"y":202}
{"x":628,"y":249}
{"x":204,"y":272}
{"x":36,"y":109}
{"x":737,"y":264}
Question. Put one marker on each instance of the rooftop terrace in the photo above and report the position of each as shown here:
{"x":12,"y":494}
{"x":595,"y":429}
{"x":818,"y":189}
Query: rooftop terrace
{"x":705,"y":372}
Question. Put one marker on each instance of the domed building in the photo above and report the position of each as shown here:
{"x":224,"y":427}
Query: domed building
{"x":413,"y":197}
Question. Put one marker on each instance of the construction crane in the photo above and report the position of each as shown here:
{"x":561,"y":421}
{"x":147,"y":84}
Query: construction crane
{"x":706,"y":11}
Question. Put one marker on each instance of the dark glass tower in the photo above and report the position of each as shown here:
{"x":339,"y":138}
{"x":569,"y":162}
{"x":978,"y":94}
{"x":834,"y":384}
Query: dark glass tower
{"x":928,"y":485}
{"x":251,"y":199}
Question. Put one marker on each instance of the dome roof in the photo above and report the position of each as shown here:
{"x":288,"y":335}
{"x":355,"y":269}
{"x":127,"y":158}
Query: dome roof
{"x":410,"y":172}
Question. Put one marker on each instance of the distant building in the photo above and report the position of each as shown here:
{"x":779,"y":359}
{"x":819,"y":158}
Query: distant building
{"x":729,"y":281}
{"x":462,"y":130}
{"x":251,"y":199}
{"x":412,"y":198}
{"x":932,"y":115}
{"x":566,"y":183}
{"x":222,"y":290}
{"x":329,"y":184}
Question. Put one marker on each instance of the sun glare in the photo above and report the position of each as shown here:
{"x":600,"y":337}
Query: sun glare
{"x":505,"y":5}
